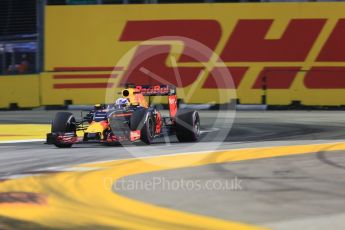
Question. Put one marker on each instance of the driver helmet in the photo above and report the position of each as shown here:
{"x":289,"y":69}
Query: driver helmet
{"x":121,"y":102}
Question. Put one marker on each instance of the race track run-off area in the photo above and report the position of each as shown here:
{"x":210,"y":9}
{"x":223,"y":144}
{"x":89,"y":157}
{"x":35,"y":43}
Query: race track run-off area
{"x":288,"y":168}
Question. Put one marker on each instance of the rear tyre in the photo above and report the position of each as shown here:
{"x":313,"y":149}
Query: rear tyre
{"x":64,"y":122}
{"x":187,"y":126}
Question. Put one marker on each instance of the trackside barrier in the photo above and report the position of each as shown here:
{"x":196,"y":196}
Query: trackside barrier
{"x":278,"y":54}
{"x":19,"y":91}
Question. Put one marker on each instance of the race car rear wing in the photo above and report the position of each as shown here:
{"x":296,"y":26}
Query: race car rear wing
{"x":158,"y":90}
{"x":154,"y":90}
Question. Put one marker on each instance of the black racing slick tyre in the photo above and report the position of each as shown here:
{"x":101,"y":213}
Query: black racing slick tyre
{"x":143,"y":120}
{"x":148,"y":131}
{"x":187,"y":126}
{"x":138,"y":119}
{"x":64,"y":122}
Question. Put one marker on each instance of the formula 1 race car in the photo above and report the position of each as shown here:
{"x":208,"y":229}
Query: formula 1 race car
{"x":129,"y":119}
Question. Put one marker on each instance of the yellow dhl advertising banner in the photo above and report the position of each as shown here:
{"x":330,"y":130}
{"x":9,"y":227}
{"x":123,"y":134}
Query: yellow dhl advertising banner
{"x":19,"y":90}
{"x":284,"y":51}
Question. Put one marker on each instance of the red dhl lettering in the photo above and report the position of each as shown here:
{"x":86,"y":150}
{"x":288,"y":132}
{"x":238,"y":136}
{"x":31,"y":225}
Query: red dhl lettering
{"x":334,"y":48}
{"x":152,"y":70}
{"x":246,"y":43}
{"x":217,"y":77}
{"x":94,"y":85}
{"x":325,"y":78}
{"x":207,"y":32}
{"x":82,"y":85}
{"x":276,"y":77}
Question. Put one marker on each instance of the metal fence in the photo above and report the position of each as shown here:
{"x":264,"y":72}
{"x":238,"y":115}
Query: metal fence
{"x":18,"y":37}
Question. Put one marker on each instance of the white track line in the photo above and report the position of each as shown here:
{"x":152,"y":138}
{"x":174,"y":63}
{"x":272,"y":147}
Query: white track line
{"x":21,"y":141}
{"x":204,"y":152}
{"x":38,"y":140}
{"x":209,"y":130}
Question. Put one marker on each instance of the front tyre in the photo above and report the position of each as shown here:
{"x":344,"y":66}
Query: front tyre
{"x":64,"y":122}
{"x":187,"y":126}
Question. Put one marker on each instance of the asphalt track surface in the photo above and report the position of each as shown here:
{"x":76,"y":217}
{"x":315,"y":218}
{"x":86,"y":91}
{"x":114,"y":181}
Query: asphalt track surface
{"x":293,"y":192}
{"x":282,"y":193}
